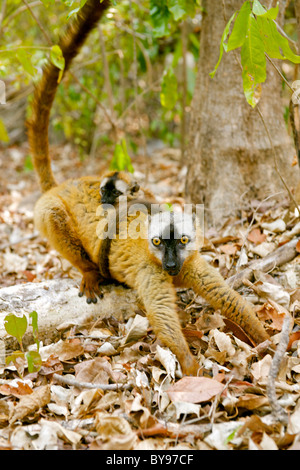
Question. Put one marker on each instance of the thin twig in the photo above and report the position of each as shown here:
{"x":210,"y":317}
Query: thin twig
{"x":44,"y":32}
{"x":283,"y":33}
{"x":279,"y":413}
{"x":20,"y":10}
{"x":74,"y":383}
{"x":20,"y":240}
{"x":147,"y":90}
{"x":278,"y":71}
{"x":86,"y":90}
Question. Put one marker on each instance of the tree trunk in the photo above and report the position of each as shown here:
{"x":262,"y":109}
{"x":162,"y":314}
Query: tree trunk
{"x":230,"y":159}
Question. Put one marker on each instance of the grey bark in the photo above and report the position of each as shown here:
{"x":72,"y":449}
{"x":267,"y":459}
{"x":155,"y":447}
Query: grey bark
{"x":229,"y":157}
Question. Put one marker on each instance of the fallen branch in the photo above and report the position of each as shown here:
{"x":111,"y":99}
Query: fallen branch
{"x":58,"y":307}
{"x":278,"y":412}
{"x":279,"y":257}
{"x":88,"y":385}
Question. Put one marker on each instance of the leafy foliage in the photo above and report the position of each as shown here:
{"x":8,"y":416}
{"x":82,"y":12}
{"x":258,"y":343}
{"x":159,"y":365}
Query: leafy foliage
{"x":137,"y":49}
{"x":16,"y":326}
{"x":256,"y":33}
{"x":121,"y":159}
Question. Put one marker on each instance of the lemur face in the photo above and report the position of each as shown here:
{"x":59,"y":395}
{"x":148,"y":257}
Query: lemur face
{"x":172,"y":238}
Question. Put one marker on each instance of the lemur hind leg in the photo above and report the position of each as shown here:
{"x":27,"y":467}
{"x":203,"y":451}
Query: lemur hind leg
{"x":54,"y":222}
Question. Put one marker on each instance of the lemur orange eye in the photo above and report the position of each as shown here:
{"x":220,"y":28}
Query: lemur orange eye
{"x":184,"y":240}
{"x":156,"y":241}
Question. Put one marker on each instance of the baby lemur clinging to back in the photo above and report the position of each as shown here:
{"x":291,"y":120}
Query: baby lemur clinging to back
{"x":153,"y":264}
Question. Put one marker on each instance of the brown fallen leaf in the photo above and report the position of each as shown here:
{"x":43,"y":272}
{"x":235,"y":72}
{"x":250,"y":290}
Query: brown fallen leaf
{"x":250,"y":401}
{"x":51,"y":366}
{"x":40,"y":397}
{"x":17,"y":389}
{"x":114,"y":432}
{"x":195,"y":389}
{"x":98,"y":371}
{"x":294,"y":337}
{"x":67,"y":350}
{"x":267,"y":311}
{"x":256,"y":236}
{"x":237,"y":331}
{"x":229,"y":249}
{"x":191,"y":334}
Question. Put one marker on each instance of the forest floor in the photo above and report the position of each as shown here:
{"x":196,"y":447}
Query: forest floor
{"x":228,"y":407}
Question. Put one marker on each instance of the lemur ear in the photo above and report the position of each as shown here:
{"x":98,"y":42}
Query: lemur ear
{"x":134,"y":188}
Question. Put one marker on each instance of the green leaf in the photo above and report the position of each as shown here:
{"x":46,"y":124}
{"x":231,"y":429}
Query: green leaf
{"x":34,"y":323}
{"x":4,"y":137}
{"x":253,"y":62}
{"x":58,"y":59}
{"x":34,"y":361}
{"x":68,"y":3}
{"x":177,"y":9}
{"x":160,"y":17}
{"x":18,"y":359}
{"x":182,"y":8}
{"x":15,"y":326}
{"x":269,"y":35}
{"x":28,"y":165}
{"x":121,"y":160}
{"x":286,"y":50}
{"x":73,"y":12}
{"x":169,"y":93}
{"x":259,"y":10}
{"x":222,"y":44}
{"x":239,"y":30}
{"x":275,"y":45}
{"x":23,"y":58}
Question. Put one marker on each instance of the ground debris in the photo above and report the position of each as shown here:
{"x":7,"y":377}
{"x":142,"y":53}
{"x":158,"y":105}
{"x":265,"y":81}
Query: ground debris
{"x":109,"y":384}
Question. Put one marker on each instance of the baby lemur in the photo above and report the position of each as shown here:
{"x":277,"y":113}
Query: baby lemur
{"x":153,"y":263}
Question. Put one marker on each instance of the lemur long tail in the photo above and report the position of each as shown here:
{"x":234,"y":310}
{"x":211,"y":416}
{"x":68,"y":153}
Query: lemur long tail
{"x":207,"y":282}
{"x":44,"y":94}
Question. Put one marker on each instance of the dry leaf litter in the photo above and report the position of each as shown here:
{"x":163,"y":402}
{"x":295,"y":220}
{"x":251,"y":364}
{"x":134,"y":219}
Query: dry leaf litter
{"x":152,"y":406}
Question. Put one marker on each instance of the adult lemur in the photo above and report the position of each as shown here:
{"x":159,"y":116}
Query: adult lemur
{"x":68,"y":215}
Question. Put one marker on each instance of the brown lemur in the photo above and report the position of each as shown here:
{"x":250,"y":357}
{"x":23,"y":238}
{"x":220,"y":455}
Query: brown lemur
{"x":69,"y":216}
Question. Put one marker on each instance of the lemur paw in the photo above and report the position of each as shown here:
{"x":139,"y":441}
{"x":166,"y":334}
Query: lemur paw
{"x":90,"y":286}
